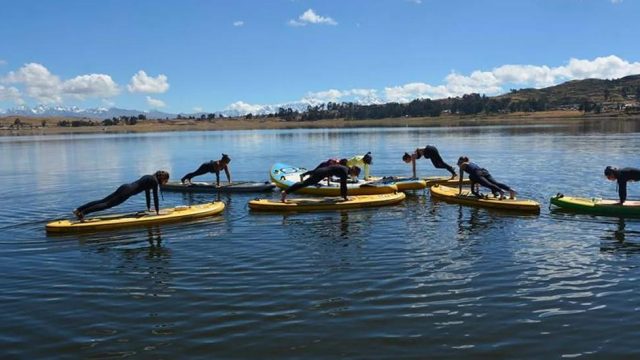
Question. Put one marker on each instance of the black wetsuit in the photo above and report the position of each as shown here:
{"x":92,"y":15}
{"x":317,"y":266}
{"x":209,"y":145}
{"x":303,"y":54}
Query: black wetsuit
{"x":623,"y":175}
{"x":208,"y":167}
{"x":481,"y":176}
{"x":431,"y":152}
{"x":125,"y":191}
{"x":316,"y":175}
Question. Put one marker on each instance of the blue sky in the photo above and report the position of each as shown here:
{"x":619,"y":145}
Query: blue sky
{"x":189,"y":56}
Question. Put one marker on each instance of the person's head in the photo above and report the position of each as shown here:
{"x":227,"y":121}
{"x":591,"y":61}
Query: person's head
{"x":225,"y":158}
{"x":354,"y":171}
{"x":343,"y":162}
{"x":406,"y":158}
{"x":462,"y":160}
{"x":610,"y":172}
{"x":367,"y":158}
{"x":162,"y":176}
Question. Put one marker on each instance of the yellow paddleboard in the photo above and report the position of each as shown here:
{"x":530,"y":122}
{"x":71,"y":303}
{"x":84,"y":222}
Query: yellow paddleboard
{"x":327,"y":203}
{"x":178,"y":213}
{"x":450,"y":194}
{"x":284,"y":176}
{"x":445,"y":180}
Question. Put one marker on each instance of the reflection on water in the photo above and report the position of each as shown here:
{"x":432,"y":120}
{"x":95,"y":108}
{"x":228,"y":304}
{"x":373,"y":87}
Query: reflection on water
{"x":421,"y":279}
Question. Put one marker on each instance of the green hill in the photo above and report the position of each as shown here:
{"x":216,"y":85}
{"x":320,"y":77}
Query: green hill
{"x":626,"y":89}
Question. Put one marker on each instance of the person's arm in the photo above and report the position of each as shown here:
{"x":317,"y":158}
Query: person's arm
{"x":226,"y":171}
{"x":461,"y":180}
{"x":622,"y":190}
{"x":366,"y":171}
{"x":156,"y":203}
{"x":305,"y":174}
{"x":343,"y":187}
{"x":147,"y":195}
{"x":413,"y":166}
{"x":217,"y":178}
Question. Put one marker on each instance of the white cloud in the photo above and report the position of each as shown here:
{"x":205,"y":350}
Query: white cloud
{"x":155,"y":103}
{"x":141,"y":82}
{"x":418,"y":2}
{"x":616,"y":1}
{"x":108,"y":102}
{"x":362,"y":96}
{"x":493,"y":82}
{"x":11,"y":94}
{"x":3,"y":62}
{"x":40,"y":84}
{"x":244,"y":108}
{"x":197,"y":109}
{"x":310,"y":17}
{"x":94,"y":85}
{"x":238,"y":23}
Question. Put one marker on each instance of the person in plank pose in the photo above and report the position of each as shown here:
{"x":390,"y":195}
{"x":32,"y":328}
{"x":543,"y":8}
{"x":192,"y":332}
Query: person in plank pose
{"x":146,"y":183}
{"x":211,"y":167}
{"x":481,"y":176}
{"x":622,"y":176}
{"x":315,"y":176}
{"x":429,"y":152}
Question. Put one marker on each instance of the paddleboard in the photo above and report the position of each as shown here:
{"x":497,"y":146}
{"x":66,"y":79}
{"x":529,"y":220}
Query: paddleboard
{"x":327,"y":203}
{"x":450,"y":194}
{"x":178,"y":213}
{"x":445,"y":180}
{"x":210,"y":187}
{"x":284,"y":175}
{"x":402,"y":183}
{"x":595,"y":206}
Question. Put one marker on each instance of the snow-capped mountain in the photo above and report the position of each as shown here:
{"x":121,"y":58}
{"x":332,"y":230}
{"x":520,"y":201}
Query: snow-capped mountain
{"x":74,"y":111}
{"x":107,"y":113}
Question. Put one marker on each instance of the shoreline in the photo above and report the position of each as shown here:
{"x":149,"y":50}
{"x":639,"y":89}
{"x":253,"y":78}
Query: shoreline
{"x":33,"y":125}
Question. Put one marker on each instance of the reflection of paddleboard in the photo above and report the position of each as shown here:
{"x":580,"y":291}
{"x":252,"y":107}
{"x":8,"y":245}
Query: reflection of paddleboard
{"x":597,"y":206}
{"x":178,"y":213}
{"x":403,"y":183}
{"x":236,"y":186}
{"x":329,"y":203}
{"x":284,"y":175}
{"x":467,"y":198}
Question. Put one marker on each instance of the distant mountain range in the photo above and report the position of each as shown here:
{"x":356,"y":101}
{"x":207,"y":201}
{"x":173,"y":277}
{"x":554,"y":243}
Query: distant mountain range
{"x":568,"y":93}
{"x":108,"y":113}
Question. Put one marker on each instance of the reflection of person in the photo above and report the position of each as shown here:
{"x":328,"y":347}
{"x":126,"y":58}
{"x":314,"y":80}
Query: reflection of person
{"x":125,"y":191}
{"x":429,"y":152}
{"x":481,"y":176}
{"x":211,"y":167}
{"x":361,"y":161}
{"x":622,"y":176}
{"x":316,"y":175}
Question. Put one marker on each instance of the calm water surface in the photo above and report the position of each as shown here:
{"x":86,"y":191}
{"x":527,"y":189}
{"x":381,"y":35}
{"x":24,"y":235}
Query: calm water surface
{"x":424,"y":279}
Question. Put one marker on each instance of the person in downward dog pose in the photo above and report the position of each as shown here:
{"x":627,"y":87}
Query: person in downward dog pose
{"x":429,"y":152}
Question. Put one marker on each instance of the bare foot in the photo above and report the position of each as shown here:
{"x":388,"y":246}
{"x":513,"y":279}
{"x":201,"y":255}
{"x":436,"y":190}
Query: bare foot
{"x":79,"y":215}
{"x":512,"y":194}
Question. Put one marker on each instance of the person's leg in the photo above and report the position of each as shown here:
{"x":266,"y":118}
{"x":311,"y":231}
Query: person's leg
{"x":438,"y":163}
{"x":482,"y":180}
{"x":116,"y":198}
{"x":203,"y":169}
{"x":311,"y":180}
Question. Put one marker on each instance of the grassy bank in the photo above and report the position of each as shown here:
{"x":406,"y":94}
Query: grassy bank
{"x":46,"y":126}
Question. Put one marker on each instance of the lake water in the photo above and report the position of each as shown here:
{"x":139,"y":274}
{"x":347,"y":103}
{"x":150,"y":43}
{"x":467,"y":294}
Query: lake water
{"x":423,"y":279}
